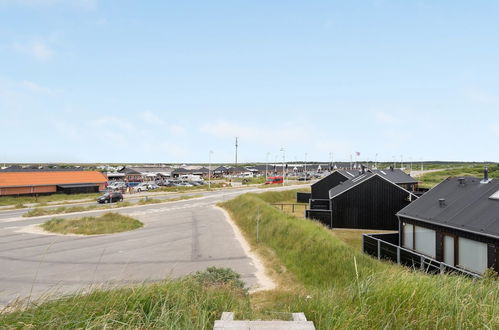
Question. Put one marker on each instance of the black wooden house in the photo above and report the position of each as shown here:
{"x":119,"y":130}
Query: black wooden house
{"x":456,"y":223}
{"x":365,"y":200}
{"x":368,"y":201}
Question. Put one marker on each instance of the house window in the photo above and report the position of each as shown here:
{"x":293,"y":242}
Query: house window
{"x":449,"y":250}
{"x":425,"y":241}
{"x":472,"y":255}
{"x":408,"y":231}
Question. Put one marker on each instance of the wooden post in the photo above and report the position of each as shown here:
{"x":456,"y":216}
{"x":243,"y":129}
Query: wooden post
{"x":293,"y":208}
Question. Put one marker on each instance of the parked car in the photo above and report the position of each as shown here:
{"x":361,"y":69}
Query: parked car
{"x":185,"y":184}
{"x":117,"y":185}
{"x":274,"y":180}
{"x":141,"y":187}
{"x":152,"y":186}
{"x":110,"y":197}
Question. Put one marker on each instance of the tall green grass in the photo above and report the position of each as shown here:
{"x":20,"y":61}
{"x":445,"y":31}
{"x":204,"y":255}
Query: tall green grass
{"x":344,"y":288}
{"x":178,"y":304}
{"x":431,"y":179}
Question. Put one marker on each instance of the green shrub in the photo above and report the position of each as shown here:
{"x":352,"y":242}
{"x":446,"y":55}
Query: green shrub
{"x":219,"y":276}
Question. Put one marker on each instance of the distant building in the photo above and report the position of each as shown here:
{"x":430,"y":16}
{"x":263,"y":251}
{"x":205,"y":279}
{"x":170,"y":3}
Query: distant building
{"x":25,"y":182}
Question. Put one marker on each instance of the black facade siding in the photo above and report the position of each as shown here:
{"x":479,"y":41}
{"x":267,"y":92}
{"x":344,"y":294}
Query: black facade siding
{"x":372,"y":204}
{"x":323,"y":216}
{"x":319,"y":204}
{"x":320,"y":189}
{"x":302,"y":197}
{"x":492,"y":243}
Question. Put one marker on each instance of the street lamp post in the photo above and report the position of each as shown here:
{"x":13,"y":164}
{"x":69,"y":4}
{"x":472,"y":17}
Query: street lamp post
{"x":209,"y":169}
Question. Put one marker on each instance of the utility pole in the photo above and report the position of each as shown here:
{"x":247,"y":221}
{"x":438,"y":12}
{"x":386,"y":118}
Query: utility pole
{"x":236,"y":150}
{"x":267,"y":167}
{"x":306,"y":167}
{"x":283,"y":160}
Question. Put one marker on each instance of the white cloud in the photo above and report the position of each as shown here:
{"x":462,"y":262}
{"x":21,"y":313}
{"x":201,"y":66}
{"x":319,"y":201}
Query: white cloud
{"x":384,"y":117}
{"x":482,"y":97}
{"x":86,"y":4}
{"x":38,"y":49}
{"x":151,"y":118}
{"x":281,"y":133}
{"x":34,"y":87}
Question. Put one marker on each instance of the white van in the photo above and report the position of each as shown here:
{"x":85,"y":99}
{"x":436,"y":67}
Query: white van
{"x":246,"y":175}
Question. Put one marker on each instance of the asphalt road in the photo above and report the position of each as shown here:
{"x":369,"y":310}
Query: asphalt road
{"x":178,"y":238}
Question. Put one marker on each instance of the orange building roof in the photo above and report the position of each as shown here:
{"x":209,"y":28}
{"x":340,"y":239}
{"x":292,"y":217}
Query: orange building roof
{"x":21,"y":179}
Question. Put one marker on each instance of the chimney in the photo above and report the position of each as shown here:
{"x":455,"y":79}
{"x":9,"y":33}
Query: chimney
{"x":485,"y":175}
{"x":462,"y":181}
{"x":441,"y":202}
{"x":391,"y":168}
{"x":363,"y":169}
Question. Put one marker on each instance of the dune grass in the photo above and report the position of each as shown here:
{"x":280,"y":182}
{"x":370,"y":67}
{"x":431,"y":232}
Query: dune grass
{"x":344,"y":288}
{"x":177,"y":304}
{"x":431,"y":179}
{"x":105,"y":224}
{"x":72,"y":209}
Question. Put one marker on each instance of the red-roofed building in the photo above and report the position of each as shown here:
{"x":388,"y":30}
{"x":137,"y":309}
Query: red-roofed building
{"x":44,"y":182}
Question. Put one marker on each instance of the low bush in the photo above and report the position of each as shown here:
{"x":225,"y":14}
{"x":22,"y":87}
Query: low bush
{"x":219,"y":276}
{"x":105,"y":224}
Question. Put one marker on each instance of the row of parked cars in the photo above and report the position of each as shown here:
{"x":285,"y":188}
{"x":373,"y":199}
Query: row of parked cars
{"x":145,"y":186}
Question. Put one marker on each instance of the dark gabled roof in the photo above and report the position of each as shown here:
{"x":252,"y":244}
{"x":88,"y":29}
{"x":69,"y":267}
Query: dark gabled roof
{"x":146,"y":169}
{"x":201,"y":170}
{"x":235,"y":169}
{"x":468,"y":206}
{"x":396,"y":176}
{"x":220,"y":169}
{"x":349,"y":184}
{"x":181,"y":170}
{"x":346,"y":174}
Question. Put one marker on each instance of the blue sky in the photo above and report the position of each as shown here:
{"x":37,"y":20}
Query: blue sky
{"x":167,"y":81}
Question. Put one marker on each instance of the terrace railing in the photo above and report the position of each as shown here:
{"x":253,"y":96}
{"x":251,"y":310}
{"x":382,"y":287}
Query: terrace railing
{"x":385,"y":246}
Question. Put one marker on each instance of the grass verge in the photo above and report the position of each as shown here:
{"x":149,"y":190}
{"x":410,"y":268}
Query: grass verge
{"x":188,"y":303}
{"x":14,"y":200}
{"x":344,"y":288}
{"x":105,"y":224}
{"x":72,"y":209}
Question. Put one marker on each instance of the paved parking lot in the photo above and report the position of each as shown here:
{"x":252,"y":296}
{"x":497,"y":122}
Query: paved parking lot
{"x":178,"y":238}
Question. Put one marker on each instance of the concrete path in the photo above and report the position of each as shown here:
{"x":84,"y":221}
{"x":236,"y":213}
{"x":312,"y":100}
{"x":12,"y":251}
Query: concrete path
{"x":178,"y":238}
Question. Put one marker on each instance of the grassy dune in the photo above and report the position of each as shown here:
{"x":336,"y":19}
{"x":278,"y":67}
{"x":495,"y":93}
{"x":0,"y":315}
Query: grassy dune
{"x":343,"y":288}
{"x":105,"y":224}
{"x":334,"y":284}
{"x":432,"y":179}
{"x":180,"y":304}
